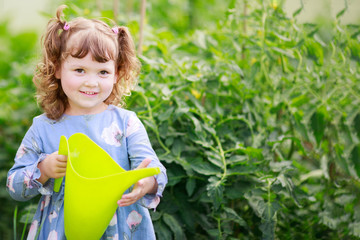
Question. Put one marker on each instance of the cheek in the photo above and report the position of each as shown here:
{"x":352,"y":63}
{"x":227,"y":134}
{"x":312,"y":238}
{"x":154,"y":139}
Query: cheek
{"x":109,"y":87}
{"x":68,"y":85}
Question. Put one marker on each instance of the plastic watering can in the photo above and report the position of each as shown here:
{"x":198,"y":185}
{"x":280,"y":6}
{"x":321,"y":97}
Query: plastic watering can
{"x":93,"y":184}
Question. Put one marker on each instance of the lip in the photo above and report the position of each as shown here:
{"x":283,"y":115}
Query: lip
{"x":89,"y":93}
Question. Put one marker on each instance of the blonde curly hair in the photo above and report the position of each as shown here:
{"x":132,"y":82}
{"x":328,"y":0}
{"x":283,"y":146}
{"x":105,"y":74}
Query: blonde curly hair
{"x":92,"y":36}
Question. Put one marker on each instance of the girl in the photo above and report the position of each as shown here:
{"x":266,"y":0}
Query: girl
{"x":86,"y":71}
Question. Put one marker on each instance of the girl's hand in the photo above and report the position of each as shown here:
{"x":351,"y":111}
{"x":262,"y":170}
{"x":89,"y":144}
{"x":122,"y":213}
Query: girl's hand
{"x":53,"y":166}
{"x":141,"y":188}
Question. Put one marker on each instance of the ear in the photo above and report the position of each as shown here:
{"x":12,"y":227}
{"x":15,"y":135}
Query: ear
{"x":116,"y":78}
{"x":58,"y":73}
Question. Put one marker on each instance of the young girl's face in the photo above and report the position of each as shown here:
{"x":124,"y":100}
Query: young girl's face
{"x":86,"y":83}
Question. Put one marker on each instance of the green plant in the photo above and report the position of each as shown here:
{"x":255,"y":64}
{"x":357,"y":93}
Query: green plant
{"x":257,"y":128}
{"x":18,"y":107}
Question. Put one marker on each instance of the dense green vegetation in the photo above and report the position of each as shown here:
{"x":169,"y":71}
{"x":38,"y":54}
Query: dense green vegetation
{"x":255,"y":116}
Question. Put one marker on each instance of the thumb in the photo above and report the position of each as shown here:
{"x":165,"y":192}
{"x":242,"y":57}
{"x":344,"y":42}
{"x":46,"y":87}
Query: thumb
{"x":144,"y":163}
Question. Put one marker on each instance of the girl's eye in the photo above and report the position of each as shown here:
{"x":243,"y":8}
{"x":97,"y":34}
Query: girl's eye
{"x":79,"y":70}
{"x":104,"y":73}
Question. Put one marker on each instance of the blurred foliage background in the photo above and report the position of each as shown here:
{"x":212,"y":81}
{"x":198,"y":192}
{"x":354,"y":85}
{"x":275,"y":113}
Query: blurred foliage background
{"x":254,"y":114}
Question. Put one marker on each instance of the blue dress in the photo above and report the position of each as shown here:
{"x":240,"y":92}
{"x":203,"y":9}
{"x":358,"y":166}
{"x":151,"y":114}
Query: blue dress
{"x":121,"y":134}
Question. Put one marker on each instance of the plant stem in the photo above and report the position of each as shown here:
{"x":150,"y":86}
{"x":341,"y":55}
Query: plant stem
{"x":219,"y":227}
{"x":26,"y":221}
{"x":221,"y":151}
{"x":156,"y":130}
{"x":14,"y":221}
{"x":142,"y":22}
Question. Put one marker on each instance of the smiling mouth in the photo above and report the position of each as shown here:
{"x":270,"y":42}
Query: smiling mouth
{"x":89,"y":92}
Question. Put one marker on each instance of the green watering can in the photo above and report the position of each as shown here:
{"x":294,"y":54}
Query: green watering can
{"x":94,"y":183}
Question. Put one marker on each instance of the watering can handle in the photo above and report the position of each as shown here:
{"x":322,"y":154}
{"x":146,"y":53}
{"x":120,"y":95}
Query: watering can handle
{"x":63,"y":150}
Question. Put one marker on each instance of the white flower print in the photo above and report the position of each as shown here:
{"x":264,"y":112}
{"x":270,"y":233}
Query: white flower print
{"x":10,"y":183}
{"x":53,"y":235}
{"x":27,"y":178}
{"x":45,"y":202}
{"x":52,"y":216}
{"x":112,"y":135}
{"x":132,"y":126}
{"x":133,"y":220}
{"x":21,"y":151}
{"x":33,"y":230}
{"x":35,"y":146}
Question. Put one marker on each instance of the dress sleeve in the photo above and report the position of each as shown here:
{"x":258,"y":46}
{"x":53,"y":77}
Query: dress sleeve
{"x":139,"y":148}
{"x":22,"y":178}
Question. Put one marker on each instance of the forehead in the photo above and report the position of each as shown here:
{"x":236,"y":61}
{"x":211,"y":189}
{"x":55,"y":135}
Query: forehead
{"x":88,"y":62}
{"x":102,"y":47}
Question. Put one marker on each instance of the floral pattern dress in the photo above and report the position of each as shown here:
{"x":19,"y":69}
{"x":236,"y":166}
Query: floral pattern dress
{"x":121,"y":134}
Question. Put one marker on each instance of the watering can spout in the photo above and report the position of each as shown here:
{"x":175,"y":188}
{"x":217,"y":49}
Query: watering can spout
{"x":94,"y":183}
{"x":129,"y":178}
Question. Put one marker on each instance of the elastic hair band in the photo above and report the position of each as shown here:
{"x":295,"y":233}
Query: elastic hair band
{"x":66,"y":26}
{"x":115,"y":30}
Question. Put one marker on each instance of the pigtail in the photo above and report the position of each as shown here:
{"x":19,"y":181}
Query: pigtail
{"x":52,"y":38}
{"x":128,"y":67}
{"x":128,"y":63}
{"x":49,"y":90}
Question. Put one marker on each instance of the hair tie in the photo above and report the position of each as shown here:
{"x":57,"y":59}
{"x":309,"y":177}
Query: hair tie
{"x":115,"y":30}
{"x":66,"y":26}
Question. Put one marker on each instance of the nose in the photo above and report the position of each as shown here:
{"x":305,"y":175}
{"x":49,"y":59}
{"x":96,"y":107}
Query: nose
{"x":91,"y":81}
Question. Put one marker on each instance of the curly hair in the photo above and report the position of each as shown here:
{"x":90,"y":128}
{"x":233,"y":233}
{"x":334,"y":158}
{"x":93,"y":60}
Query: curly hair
{"x":92,"y":36}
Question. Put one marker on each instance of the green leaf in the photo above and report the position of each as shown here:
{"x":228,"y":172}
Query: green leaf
{"x":340,"y":159}
{"x":242,"y":170}
{"x":177,"y":147}
{"x":232,"y":215}
{"x":162,"y":231}
{"x":200,"y":39}
{"x":355,"y":229}
{"x":287,"y":52}
{"x":299,"y":101}
{"x":256,"y":202}
{"x":356,"y":124}
{"x":267,"y":228}
{"x":236,"y":68}
{"x":174,"y":225}
{"x":190,"y":186}
{"x":318,"y":124}
{"x":298,"y":11}
{"x":315,"y":51}
{"x":155,"y":215}
{"x":215,"y":190}
{"x":355,"y":158}
{"x":214,"y":158}
{"x":205,"y":168}
{"x":289,"y":185}
{"x":166,"y":115}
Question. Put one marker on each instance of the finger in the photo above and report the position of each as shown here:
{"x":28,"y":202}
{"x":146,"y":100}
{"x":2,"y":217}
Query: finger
{"x":144,"y":163}
{"x":59,"y":174}
{"x":61,"y":164}
{"x":60,"y":170}
{"x":126,"y":202}
{"x":132,"y":195}
{"x":62,"y":158}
